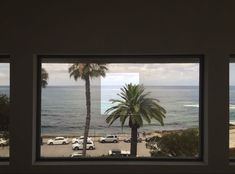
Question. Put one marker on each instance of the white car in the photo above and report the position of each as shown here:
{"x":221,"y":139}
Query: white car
{"x":79,"y":146}
{"x":118,"y":152}
{"x":3,"y":142}
{"x":58,"y":140}
{"x":109,"y":139}
{"x":80,"y":139}
{"x":76,"y":155}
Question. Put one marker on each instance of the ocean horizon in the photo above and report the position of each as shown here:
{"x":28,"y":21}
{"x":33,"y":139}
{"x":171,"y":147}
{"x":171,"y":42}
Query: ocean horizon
{"x":63,"y":109}
{"x":181,"y":103}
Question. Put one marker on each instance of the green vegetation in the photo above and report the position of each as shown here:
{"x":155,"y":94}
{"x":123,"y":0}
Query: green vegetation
{"x":136,"y":107}
{"x":4,"y":115}
{"x":86,"y":71}
{"x":176,"y":144}
{"x":44,"y":78}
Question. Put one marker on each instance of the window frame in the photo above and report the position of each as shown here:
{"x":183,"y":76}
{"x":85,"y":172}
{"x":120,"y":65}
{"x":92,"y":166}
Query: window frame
{"x":122,"y":59}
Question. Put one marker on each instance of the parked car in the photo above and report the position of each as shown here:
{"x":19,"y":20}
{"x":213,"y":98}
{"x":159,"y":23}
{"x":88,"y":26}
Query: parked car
{"x":119,"y":153}
{"x":128,"y":140}
{"x":58,"y":140}
{"x":109,"y":139}
{"x":79,"y":139}
{"x":79,"y":146}
{"x":76,"y":155}
{"x":3,"y":142}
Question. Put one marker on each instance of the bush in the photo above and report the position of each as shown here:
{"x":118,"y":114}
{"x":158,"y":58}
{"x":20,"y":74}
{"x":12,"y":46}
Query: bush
{"x":183,"y":144}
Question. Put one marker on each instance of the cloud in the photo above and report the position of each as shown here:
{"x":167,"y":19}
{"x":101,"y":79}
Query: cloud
{"x":162,"y":74}
{"x":149,"y":74}
{"x":119,"y":79}
{"x":232,"y":74}
{"x":4,"y":74}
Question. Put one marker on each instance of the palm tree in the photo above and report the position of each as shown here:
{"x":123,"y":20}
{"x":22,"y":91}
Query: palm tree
{"x":86,"y":71}
{"x":137,"y":107}
{"x":44,"y":78}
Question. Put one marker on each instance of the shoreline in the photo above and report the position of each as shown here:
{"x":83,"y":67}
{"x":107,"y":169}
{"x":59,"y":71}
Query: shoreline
{"x":120,"y":134}
{"x":147,"y":133}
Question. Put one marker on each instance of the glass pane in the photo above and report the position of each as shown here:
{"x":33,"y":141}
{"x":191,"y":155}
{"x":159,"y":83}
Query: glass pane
{"x":142,"y":110}
{"x":4,"y":109}
{"x":232,"y":111}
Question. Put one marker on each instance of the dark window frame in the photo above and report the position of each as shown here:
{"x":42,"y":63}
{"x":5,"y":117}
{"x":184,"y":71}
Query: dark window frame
{"x":122,"y":59}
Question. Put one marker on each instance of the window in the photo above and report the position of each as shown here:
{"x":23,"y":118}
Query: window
{"x":4,"y":107}
{"x":231,"y":110}
{"x":145,"y":107}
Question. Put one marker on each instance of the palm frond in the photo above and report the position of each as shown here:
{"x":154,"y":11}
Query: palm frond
{"x":135,"y":105}
{"x":84,"y":70}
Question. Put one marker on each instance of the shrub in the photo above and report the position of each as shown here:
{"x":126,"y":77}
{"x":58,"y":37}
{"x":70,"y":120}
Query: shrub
{"x":183,"y":144}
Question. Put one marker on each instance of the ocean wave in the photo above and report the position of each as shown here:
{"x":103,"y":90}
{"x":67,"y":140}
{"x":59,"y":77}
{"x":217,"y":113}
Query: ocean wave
{"x":192,"y":105}
{"x":231,"y":106}
{"x":48,"y":126}
{"x":232,"y":122}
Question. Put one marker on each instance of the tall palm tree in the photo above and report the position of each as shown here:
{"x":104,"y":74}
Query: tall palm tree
{"x":137,"y":107}
{"x":44,"y":78}
{"x":86,"y":71}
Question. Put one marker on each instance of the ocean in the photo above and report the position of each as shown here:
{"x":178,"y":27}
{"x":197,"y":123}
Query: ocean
{"x":63,"y":109}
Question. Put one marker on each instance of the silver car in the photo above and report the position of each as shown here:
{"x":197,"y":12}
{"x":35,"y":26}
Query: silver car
{"x":109,"y":139}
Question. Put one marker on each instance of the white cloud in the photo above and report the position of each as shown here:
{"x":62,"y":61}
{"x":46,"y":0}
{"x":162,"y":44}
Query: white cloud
{"x":232,"y":74}
{"x":4,"y":74}
{"x":149,"y":74}
{"x":119,"y":79}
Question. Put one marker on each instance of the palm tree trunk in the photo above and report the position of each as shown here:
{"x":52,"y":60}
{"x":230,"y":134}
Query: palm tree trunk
{"x":88,"y":116}
{"x":134,"y":133}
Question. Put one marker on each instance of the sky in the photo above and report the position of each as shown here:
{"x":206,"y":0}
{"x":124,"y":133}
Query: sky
{"x":232,"y":74}
{"x":4,"y":74}
{"x":118,"y":74}
{"x":149,"y":74}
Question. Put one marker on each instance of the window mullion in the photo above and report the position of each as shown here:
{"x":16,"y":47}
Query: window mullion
{"x":216,"y":108}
